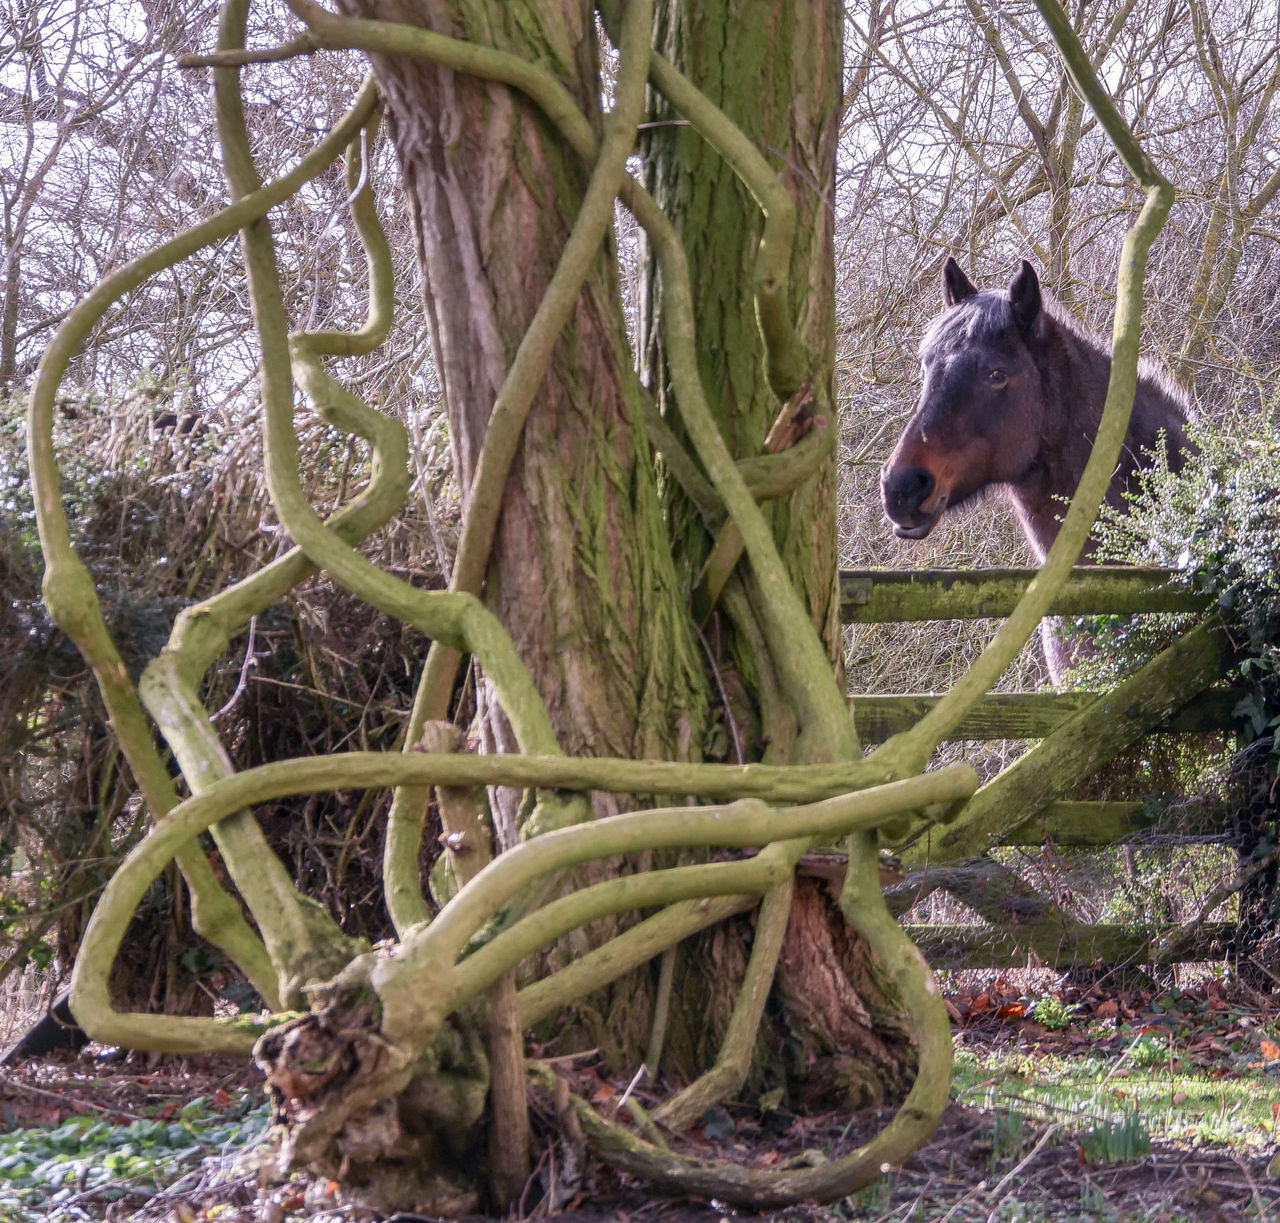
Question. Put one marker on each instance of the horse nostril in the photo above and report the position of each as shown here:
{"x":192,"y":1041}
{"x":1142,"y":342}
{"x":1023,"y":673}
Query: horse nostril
{"x":906,"y":488}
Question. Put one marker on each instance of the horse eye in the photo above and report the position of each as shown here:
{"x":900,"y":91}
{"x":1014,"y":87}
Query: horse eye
{"x":997,"y":377}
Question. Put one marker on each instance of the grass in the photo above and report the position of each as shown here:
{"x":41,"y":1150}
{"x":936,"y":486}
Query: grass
{"x":1103,"y":1124}
{"x":1236,"y":1110}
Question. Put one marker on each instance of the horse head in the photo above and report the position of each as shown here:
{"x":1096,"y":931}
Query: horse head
{"x":980,"y":417}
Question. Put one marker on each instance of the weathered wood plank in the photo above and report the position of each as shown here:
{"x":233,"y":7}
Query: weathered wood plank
{"x":981,"y":946}
{"x":998,"y":895}
{"x":1017,"y":915}
{"x":1069,"y":824}
{"x":1093,"y":824}
{"x":1025,"y":715}
{"x":1005,"y":715}
{"x":1081,"y":745}
{"x":886,"y":596}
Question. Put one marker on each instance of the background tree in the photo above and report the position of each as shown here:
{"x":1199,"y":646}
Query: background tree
{"x":962,"y":135}
{"x":579,"y":564}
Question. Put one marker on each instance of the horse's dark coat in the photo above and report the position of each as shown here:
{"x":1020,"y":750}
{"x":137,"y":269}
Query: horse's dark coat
{"x":1013,"y":392}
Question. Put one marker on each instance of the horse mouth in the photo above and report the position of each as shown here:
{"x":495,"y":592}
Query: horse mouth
{"x":920,"y":529}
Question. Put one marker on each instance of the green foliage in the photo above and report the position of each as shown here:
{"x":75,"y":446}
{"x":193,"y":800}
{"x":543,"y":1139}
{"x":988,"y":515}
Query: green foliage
{"x":1053,"y":1014}
{"x":1218,"y":521}
{"x":1115,"y":1142}
{"x":1012,"y":1135}
{"x":1148,"y":1052}
{"x":73,"y":1171}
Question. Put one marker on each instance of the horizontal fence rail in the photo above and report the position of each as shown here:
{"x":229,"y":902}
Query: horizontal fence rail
{"x":1181,"y":691}
{"x":977,"y":946}
{"x":896,"y":596}
{"x":1068,"y":823}
{"x":1028,"y":715}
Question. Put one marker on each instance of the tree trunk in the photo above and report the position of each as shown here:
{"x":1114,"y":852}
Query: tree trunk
{"x":580,"y":572}
{"x":775,"y":69}
{"x":576,"y":570}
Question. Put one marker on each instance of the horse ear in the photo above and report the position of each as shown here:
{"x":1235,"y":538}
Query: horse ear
{"x":955,"y":284}
{"x":1024,"y":297}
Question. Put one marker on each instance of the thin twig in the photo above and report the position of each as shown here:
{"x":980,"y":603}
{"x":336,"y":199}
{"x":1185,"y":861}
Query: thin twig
{"x":100,"y":1108}
{"x":1175,"y":938}
{"x":1002,"y":1188}
{"x":250,"y":660}
{"x":1253,"y":1188}
{"x":713,"y":665}
{"x":635,"y":1081}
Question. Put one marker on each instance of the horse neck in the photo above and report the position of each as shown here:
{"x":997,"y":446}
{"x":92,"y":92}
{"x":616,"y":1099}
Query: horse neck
{"x":1074,"y":375}
{"x":1038,"y":518}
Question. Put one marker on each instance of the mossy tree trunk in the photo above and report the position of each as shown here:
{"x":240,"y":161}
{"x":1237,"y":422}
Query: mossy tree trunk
{"x":580,"y":570}
{"x":775,"y":70}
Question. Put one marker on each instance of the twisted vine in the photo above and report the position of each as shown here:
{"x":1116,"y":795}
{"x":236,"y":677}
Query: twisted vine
{"x":850,"y":796}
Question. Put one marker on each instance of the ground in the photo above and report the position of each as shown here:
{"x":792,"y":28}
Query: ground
{"x":1151,"y":1106}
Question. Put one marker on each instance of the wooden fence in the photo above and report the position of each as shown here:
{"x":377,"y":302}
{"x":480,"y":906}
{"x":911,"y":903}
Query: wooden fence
{"x":1182,"y":691}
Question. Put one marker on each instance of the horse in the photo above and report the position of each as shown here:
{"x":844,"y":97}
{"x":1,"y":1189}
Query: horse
{"x":1013,"y":390}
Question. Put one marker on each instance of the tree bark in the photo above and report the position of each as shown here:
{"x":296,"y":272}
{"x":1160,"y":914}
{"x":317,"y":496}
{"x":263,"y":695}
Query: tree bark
{"x":580,"y":571}
{"x":576,"y":571}
{"x":775,"y":69}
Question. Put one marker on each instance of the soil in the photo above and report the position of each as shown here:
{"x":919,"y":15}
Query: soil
{"x":955,"y":1178}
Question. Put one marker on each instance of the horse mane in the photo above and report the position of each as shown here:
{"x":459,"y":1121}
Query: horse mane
{"x":1156,"y":386}
{"x":1160,"y":402}
{"x":980,"y":319}
{"x":986,"y":317}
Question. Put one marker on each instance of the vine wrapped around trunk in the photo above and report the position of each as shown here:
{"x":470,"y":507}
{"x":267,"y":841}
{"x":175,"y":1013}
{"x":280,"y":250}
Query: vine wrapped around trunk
{"x":572,"y":592}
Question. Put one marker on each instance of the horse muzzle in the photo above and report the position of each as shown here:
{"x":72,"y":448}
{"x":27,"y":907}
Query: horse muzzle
{"x":912,"y":500}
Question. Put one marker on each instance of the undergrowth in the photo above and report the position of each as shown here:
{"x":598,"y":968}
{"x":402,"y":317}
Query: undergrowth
{"x":1115,"y":1107}
{"x":77,"y":1170}
{"x":1218,"y":523}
